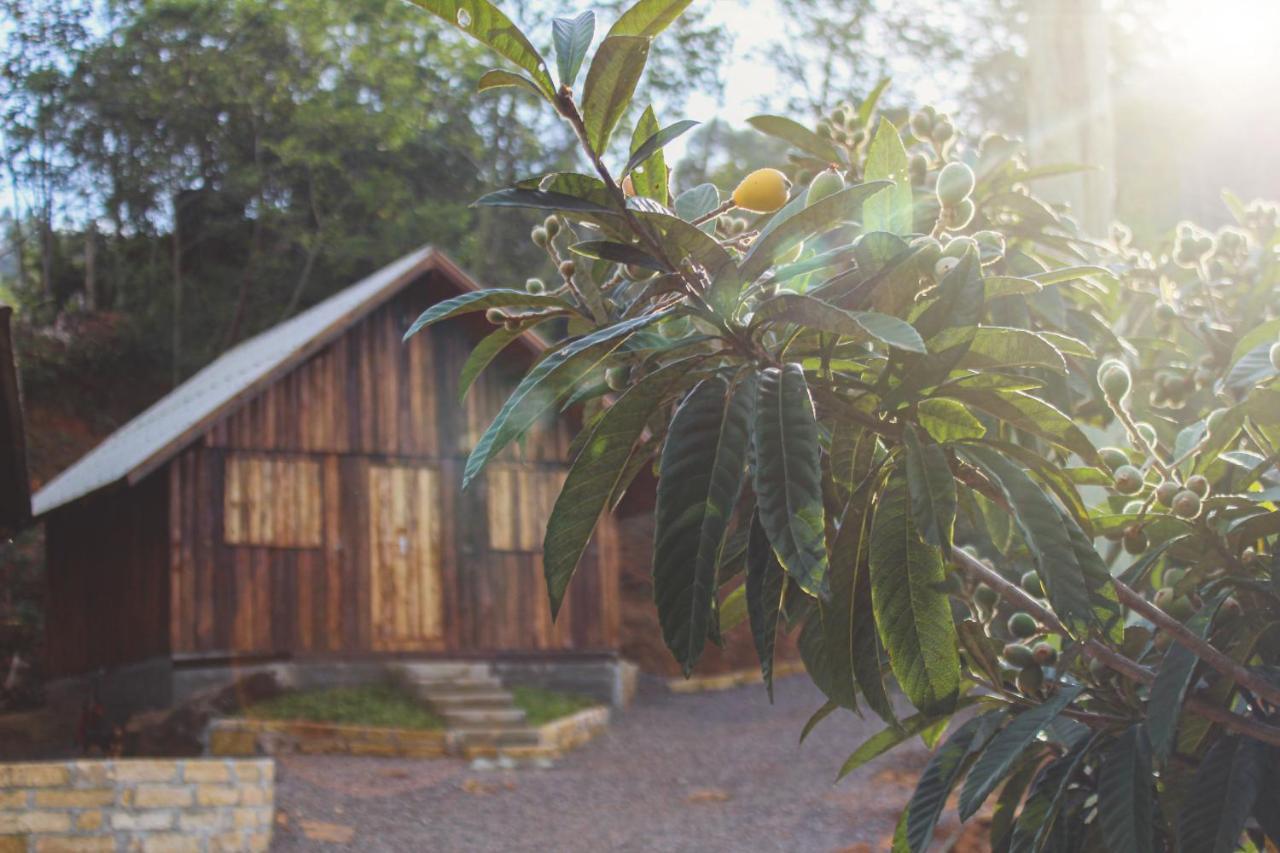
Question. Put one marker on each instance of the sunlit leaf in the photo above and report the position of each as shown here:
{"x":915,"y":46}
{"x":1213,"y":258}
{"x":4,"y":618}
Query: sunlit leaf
{"x":611,"y":81}
{"x":483,"y":21}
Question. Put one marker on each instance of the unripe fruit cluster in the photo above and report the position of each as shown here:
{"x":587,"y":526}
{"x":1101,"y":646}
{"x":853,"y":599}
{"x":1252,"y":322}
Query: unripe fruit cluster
{"x":955,"y":185}
{"x":1192,"y":246}
{"x":1114,"y":379}
{"x":931,"y":126}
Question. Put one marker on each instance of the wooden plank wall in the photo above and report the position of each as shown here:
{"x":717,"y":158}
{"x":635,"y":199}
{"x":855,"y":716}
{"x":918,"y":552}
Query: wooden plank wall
{"x":369,"y":401}
{"x":108,"y":599}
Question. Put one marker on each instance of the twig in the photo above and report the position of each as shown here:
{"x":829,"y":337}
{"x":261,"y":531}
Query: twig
{"x":1109,"y":657}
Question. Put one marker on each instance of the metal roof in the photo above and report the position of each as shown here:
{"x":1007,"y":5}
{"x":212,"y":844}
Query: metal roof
{"x":161,"y":431}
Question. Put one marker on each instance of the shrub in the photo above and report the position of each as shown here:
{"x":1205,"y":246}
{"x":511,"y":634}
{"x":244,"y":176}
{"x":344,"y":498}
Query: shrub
{"x":866,"y":409}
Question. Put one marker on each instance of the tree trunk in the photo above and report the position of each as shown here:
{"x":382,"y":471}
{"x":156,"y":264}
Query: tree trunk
{"x":1070,"y":113}
{"x":176,"y":269}
{"x":255,"y":244}
{"x":90,"y":267}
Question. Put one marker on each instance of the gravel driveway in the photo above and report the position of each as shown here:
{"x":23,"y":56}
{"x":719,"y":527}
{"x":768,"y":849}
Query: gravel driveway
{"x":696,"y":772}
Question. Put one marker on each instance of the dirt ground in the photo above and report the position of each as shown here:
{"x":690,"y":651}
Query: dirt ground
{"x":694,"y":772}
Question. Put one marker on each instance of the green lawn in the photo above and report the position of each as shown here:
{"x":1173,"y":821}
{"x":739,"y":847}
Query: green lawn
{"x":372,"y":705}
{"x":543,"y":706}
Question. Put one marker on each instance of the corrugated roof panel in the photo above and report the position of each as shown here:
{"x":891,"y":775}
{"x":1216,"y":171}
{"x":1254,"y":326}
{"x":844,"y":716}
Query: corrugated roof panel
{"x":141,"y":440}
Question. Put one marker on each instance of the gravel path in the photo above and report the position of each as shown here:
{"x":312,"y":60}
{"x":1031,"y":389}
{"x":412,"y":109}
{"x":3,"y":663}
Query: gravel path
{"x":699,"y":772}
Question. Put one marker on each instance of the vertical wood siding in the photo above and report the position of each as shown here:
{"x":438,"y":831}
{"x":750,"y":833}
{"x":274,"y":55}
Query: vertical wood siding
{"x":378,"y":429}
{"x":108,"y":599}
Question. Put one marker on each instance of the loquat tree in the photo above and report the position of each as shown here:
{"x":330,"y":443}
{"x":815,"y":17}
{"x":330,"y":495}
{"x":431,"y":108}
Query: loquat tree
{"x":870,"y":381}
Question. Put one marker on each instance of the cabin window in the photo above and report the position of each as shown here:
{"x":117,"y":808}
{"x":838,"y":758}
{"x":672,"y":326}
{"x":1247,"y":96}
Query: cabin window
{"x":272,"y":500}
{"x":520,"y":498}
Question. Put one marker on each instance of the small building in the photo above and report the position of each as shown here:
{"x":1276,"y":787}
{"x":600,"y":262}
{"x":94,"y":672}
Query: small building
{"x":296,"y":505}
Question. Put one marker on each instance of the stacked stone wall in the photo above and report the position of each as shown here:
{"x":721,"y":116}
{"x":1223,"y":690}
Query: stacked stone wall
{"x":147,"y":805}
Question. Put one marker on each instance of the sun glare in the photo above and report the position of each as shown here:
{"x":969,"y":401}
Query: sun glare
{"x":1227,"y":44}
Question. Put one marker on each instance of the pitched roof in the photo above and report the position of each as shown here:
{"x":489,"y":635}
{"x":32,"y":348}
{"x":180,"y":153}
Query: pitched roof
{"x":169,"y":425}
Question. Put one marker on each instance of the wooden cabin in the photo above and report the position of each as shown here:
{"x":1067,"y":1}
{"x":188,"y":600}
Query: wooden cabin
{"x":296,"y":506}
{"x":299,"y":500}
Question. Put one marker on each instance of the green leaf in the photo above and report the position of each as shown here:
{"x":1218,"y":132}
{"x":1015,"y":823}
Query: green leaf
{"x":700,"y":476}
{"x":834,"y":680}
{"x":1125,"y":793}
{"x":999,"y":756}
{"x":788,"y":477}
{"x":959,"y":303}
{"x":826,"y":214}
{"x":945,"y":767}
{"x":681,"y":240}
{"x":1221,"y":796}
{"x":618,"y":253}
{"x":543,"y":200}
{"x":654,"y":143}
{"x":648,"y":17}
{"x":933,"y":489}
{"x":572,"y":38}
{"x":498,"y":78}
{"x":482,"y":300}
{"x":1029,"y":413}
{"x":764,"y":598}
{"x":818,"y":716}
{"x":1044,"y":802}
{"x":595,"y":473}
{"x":1173,"y":679}
{"x":946,"y":420}
{"x":482,"y":21}
{"x":733,"y":610}
{"x":837,"y":612}
{"x":890,"y":209}
{"x":1007,"y":803}
{"x":1072,"y":580}
{"x":697,"y":202}
{"x":824,"y":317}
{"x":611,"y":81}
{"x":484,"y":353}
{"x":889,"y":737}
{"x":1000,"y":346}
{"x":798,"y":135}
{"x":912,"y":612}
{"x":551,"y":379}
{"x":868,"y":105}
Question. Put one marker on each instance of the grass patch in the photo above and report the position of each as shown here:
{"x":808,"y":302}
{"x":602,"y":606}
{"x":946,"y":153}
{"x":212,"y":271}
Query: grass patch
{"x":542,"y":706}
{"x":381,"y":705}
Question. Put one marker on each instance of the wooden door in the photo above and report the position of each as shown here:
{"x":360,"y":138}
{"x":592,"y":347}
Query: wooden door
{"x":405,"y":593}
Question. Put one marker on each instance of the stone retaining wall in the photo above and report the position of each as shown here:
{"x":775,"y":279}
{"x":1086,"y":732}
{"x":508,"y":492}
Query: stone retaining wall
{"x":196,"y":805}
{"x":239,"y":736}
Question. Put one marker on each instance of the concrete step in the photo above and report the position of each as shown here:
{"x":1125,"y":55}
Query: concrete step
{"x":437,"y":671}
{"x":443,"y":699}
{"x":489,"y":736}
{"x":460,"y":687}
{"x":495,"y":718}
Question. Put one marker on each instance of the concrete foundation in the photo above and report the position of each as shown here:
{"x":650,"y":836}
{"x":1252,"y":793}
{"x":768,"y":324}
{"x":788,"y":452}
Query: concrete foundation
{"x":159,"y":683}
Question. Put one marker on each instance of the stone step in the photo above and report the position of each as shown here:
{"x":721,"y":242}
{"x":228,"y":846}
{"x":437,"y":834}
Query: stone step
{"x":495,"y":718}
{"x":490,"y":736}
{"x":443,"y":699}
{"x":458,"y":688}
